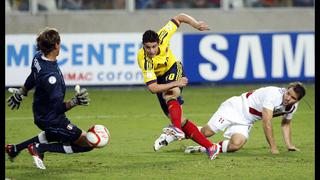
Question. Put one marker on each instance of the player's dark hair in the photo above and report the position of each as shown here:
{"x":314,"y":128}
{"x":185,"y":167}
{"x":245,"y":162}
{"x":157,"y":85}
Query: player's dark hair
{"x":150,"y":36}
{"x":298,"y":88}
{"x":47,"y":39}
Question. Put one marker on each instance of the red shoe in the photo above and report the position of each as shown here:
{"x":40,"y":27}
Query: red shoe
{"x":37,"y":157}
{"x":213,"y":151}
{"x":12,"y":151}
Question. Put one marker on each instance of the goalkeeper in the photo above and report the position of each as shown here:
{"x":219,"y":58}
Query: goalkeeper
{"x":58,"y":133}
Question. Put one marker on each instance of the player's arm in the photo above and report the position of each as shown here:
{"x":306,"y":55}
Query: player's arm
{"x":267,"y":127}
{"x":286,"y":133}
{"x":29,"y":83}
{"x":68,"y":105}
{"x":65,"y":106}
{"x":157,"y":88}
{"x":17,"y":96}
{"x":81,"y":97}
{"x":184,"y":18}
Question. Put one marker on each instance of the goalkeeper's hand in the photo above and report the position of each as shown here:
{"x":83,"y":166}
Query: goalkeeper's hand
{"x":15,"y":99}
{"x":81,"y":97}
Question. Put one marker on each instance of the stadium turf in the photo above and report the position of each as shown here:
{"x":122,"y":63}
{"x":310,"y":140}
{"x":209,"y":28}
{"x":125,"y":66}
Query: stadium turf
{"x":134,"y":119}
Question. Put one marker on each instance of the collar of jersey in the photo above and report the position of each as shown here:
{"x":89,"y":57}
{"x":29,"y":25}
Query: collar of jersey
{"x":45,"y":58}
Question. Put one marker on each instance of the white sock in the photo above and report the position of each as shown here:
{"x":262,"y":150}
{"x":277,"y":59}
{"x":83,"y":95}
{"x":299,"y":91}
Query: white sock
{"x":225,"y":146}
{"x":67,"y":149}
{"x":42,"y":138}
{"x":199,"y":127}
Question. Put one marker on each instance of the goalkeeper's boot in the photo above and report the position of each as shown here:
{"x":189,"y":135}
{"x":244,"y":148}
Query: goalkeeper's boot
{"x":171,"y":130}
{"x":37,"y":157}
{"x":160,"y":142}
{"x":12,"y":151}
{"x":213,"y":151}
{"x":195,"y":149}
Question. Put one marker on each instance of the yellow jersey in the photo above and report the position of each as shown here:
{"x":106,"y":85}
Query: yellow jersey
{"x":161,"y":63}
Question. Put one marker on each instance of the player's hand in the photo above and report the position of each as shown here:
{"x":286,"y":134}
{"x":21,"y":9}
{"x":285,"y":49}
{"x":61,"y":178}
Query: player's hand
{"x":202,"y":26}
{"x":182,"y":82}
{"x":81,"y":97}
{"x":274,"y":151}
{"x":293,"y":148}
{"x":15,"y":99}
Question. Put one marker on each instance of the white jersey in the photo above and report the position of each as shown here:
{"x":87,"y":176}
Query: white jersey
{"x":267,"y":97}
{"x":238,"y":113}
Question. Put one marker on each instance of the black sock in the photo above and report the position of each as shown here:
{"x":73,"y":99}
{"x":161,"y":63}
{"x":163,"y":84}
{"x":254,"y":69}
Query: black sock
{"x":79,"y":149}
{"x":51,"y":147}
{"x":62,"y":148}
{"x":25,"y":144}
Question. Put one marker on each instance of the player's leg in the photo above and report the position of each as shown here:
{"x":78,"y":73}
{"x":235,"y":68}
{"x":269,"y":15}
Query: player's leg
{"x":237,"y":136}
{"x":216,"y":123}
{"x":70,"y":139}
{"x":169,"y":133}
{"x":166,"y":138}
{"x":172,"y":99}
{"x":171,"y":102}
{"x":14,"y":149}
{"x":236,"y":142}
{"x":64,"y":134}
{"x":173,"y":112}
{"x":192,"y":132}
{"x":187,"y":126}
{"x":174,"y":106}
{"x":171,"y":96}
{"x":207,"y":132}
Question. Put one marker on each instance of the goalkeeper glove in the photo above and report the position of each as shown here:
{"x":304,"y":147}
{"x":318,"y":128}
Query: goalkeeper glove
{"x":80,"y":98}
{"x":15,"y":99}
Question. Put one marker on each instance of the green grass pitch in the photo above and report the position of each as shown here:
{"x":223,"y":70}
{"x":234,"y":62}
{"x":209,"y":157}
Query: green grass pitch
{"x":134,"y":119}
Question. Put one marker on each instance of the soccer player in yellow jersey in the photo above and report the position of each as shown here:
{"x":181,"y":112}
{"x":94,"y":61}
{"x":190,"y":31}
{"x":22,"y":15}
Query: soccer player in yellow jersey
{"x":164,"y":76}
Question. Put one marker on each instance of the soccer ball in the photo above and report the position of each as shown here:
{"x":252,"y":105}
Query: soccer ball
{"x":98,"y":136}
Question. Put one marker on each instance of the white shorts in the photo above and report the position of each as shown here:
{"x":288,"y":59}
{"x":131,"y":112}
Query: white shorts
{"x":229,"y":117}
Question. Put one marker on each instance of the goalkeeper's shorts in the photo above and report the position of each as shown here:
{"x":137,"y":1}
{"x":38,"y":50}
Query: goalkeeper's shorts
{"x":64,"y":131}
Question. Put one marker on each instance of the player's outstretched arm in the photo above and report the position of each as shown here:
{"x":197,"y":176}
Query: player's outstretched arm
{"x":286,"y":133}
{"x":184,"y":18}
{"x":267,"y":127}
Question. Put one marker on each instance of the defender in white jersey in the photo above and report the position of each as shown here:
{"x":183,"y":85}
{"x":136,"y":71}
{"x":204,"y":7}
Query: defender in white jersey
{"x":237,"y":115}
